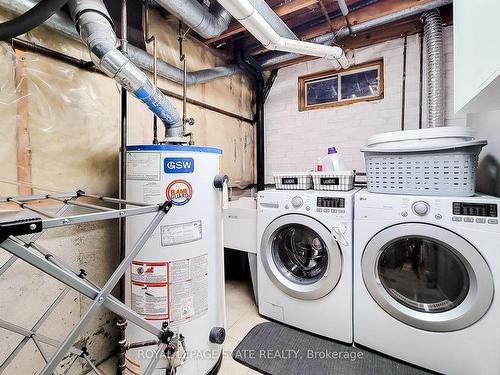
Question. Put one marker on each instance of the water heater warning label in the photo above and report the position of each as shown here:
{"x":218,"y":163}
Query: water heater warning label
{"x":181,"y":233}
{"x":188,"y":289}
{"x":144,"y":166}
{"x":149,"y":272}
{"x":175,"y":291}
{"x":150,"y":300}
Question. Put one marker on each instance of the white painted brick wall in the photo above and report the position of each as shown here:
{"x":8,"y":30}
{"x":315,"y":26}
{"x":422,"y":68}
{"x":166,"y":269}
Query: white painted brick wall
{"x":294,"y":139}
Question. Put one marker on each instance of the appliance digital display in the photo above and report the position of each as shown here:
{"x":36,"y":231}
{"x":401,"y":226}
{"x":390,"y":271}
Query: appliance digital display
{"x":475,"y":209}
{"x":331,"y":202}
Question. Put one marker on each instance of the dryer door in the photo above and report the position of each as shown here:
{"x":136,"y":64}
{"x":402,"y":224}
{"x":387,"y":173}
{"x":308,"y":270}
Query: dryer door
{"x":427,"y":277}
{"x":301,"y":257}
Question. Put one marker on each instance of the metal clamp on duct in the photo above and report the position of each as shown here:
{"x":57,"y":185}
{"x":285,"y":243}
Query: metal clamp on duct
{"x":96,"y":30}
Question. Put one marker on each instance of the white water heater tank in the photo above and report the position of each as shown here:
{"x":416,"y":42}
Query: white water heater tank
{"x":178,"y":277}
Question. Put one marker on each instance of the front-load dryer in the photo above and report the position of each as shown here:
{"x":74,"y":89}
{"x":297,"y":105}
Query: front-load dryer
{"x":304,"y":260}
{"x":425,"y":274}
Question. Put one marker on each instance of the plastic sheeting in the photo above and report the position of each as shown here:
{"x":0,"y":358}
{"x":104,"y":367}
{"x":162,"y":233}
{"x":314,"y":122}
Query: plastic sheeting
{"x":73,"y":121}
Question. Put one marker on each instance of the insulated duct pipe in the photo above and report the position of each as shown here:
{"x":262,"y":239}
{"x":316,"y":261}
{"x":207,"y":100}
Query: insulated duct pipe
{"x":96,"y":30}
{"x":433,"y":36}
{"x":247,"y":14}
{"x":330,"y":38}
{"x":65,"y":26}
{"x":206,"y":22}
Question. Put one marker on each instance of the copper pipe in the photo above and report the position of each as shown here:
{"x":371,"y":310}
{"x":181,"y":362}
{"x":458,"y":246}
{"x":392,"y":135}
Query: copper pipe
{"x":151,"y":39}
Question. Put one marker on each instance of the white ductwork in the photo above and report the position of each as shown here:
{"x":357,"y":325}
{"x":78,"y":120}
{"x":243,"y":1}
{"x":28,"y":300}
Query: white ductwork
{"x":96,"y":30}
{"x":248,"y":15}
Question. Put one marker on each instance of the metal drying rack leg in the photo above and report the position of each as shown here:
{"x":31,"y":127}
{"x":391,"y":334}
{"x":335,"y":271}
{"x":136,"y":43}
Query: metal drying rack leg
{"x":13,"y":238}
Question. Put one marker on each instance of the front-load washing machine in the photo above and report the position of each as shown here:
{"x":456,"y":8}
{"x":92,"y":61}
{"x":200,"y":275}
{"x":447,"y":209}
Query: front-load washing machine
{"x":304,"y":260}
{"x":425,"y":274}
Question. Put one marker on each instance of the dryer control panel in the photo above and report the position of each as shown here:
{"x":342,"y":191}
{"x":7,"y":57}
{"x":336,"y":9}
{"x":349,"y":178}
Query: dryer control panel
{"x":479,"y":211}
{"x":475,"y":209}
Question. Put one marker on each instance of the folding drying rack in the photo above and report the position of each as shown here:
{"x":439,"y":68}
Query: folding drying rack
{"x":19,"y":239}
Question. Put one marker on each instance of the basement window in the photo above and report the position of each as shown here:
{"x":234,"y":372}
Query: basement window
{"x":332,"y":88}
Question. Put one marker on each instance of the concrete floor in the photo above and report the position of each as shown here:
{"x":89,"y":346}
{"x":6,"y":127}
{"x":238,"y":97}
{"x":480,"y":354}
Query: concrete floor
{"x":242,"y":316}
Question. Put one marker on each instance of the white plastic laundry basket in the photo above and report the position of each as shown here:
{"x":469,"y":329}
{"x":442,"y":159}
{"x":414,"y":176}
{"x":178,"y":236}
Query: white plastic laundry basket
{"x":293,"y":181}
{"x":333,"y":180}
{"x":438,"y":161}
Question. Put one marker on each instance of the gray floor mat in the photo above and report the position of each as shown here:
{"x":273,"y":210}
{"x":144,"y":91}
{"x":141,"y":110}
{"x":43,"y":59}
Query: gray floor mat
{"x":275,"y":349}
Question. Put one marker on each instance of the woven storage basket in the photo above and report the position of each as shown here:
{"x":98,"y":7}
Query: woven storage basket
{"x":293,"y":181}
{"x":333,"y":181}
{"x":446,"y":171}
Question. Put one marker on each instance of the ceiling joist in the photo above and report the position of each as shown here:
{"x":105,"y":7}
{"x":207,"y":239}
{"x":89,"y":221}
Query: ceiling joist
{"x":281,"y":10}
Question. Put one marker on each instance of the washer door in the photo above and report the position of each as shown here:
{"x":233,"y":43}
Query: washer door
{"x":301,"y":257}
{"x":427,"y":277}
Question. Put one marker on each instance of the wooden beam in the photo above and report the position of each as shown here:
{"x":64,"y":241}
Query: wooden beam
{"x":281,"y":10}
{"x":379,"y":9}
{"x":23,"y":144}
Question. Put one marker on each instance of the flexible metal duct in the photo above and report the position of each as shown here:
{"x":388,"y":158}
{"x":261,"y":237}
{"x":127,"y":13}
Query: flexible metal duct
{"x":433,"y":36}
{"x":330,"y":38}
{"x":65,"y":26}
{"x":247,"y":14}
{"x":144,"y":61}
{"x":96,"y":30}
{"x":206,"y":22}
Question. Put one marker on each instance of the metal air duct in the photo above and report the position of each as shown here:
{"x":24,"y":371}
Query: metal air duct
{"x":96,"y":30}
{"x":206,"y":22}
{"x":62,"y":24}
{"x":433,"y":36}
{"x":247,"y":14}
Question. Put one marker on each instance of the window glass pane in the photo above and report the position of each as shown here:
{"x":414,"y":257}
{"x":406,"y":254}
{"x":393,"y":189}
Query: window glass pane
{"x":322,"y":91}
{"x":360,"y":84}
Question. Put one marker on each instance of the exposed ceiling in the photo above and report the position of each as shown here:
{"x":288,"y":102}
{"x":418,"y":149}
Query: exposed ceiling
{"x":312,"y":18}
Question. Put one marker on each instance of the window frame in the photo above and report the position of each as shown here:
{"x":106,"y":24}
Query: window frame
{"x":331,"y":73}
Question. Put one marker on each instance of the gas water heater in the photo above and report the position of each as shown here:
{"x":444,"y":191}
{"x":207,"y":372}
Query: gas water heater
{"x":178,"y":277}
